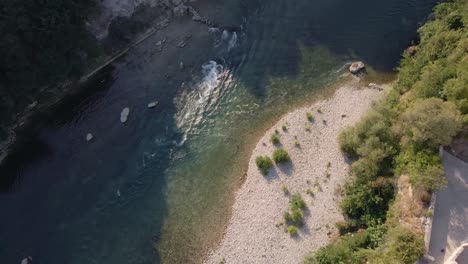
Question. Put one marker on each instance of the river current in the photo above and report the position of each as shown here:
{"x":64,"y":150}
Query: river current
{"x":158,"y":188}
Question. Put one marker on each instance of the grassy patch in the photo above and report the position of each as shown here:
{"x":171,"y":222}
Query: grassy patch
{"x":281,"y":156}
{"x":264,"y":164}
{"x":275,"y":139}
{"x":292,"y":230}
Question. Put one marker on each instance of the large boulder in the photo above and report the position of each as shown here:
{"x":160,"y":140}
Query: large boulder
{"x":356,"y":67}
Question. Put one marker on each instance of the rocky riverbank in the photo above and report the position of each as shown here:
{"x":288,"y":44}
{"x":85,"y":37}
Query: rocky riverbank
{"x":256,"y":232}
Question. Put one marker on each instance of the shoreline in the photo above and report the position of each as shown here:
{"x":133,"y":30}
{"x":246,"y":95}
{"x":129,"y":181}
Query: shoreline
{"x":255,"y":232}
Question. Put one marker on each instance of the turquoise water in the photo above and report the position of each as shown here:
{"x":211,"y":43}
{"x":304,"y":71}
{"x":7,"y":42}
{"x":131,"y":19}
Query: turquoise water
{"x":158,"y":188}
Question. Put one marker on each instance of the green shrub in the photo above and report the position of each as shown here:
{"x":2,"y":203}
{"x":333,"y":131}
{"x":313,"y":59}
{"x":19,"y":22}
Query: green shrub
{"x":368,"y":203}
{"x":264,"y":164}
{"x":275,"y":139}
{"x":423,"y":167}
{"x":297,"y":216}
{"x":285,"y":190}
{"x":429,"y":122}
{"x":309,"y":116}
{"x":348,"y":141}
{"x":307,"y":127}
{"x":405,"y":245}
{"x":345,"y":227}
{"x":376,"y":235}
{"x":285,"y":128}
{"x":429,"y":213}
{"x":292,"y":230}
{"x":297,"y":201}
{"x":343,"y":251}
{"x":281,"y":156}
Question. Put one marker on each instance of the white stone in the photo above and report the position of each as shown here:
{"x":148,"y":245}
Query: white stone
{"x":89,"y":137}
{"x":26,"y":260}
{"x":124,"y":114}
{"x":153,"y":104}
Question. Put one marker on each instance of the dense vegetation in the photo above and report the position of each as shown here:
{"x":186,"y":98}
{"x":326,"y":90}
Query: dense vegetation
{"x":41,"y":42}
{"x":401,"y":136}
{"x":46,"y":42}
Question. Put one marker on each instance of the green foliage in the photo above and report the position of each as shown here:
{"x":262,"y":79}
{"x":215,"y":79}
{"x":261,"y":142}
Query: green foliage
{"x":285,"y":128}
{"x":297,"y":216}
{"x":281,"y":156}
{"x":264,"y":164}
{"x":345,"y":227}
{"x":429,"y":122}
{"x":376,"y":235}
{"x":429,"y":213}
{"x":423,"y":167}
{"x":404,"y":245}
{"x":292,"y":230}
{"x":309,"y":116}
{"x":285,"y":190}
{"x":343,"y":251}
{"x":368,"y":203}
{"x":401,"y":135}
{"x":275,"y":139}
{"x":297,"y":201}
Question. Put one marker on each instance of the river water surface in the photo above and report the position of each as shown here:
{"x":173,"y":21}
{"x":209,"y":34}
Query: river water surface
{"x":159,"y":187}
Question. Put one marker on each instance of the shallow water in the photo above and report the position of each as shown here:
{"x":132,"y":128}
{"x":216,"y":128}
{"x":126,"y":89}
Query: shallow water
{"x":158,"y":188}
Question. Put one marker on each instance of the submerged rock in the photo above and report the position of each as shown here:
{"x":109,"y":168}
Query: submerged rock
{"x":153,"y":104}
{"x":181,"y":44}
{"x":375,"y":86}
{"x":356,"y":67}
{"x":124,"y":115}
{"x":26,"y":260}
{"x":89,"y":137}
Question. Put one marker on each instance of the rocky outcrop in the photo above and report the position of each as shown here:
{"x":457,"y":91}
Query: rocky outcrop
{"x":111,"y":9}
{"x":356,"y":67}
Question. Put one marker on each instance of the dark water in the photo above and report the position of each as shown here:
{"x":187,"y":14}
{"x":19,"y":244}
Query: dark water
{"x":157,"y":188}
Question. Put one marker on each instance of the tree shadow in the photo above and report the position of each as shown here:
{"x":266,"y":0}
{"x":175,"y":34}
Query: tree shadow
{"x":272,"y":175}
{"x":286,"y":168}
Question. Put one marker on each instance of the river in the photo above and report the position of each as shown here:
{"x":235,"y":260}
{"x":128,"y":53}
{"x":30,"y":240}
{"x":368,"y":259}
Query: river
{"x":158,"y":188}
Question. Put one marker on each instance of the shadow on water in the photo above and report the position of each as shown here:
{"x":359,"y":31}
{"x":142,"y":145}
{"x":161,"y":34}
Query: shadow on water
{"x":29,"y":146}
{"x":61,"y":192}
